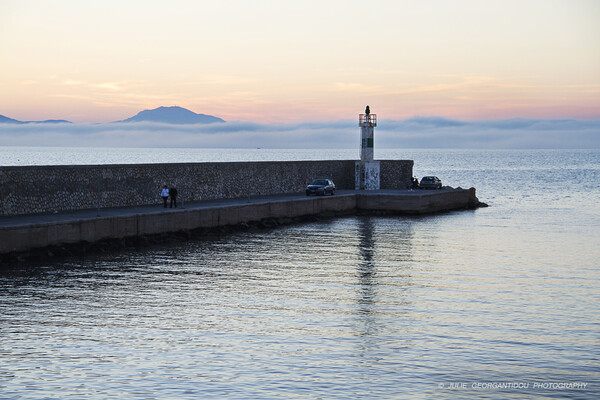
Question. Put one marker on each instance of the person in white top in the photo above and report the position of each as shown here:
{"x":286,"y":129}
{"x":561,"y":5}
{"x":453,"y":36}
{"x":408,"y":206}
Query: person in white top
{"x":165,"y":195}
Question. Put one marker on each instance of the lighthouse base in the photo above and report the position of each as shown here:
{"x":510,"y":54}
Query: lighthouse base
{"x":366,"y":175}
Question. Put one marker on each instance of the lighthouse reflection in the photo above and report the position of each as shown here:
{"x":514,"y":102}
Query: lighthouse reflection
{"x":395,"y":252}
{"x":366,"y":266}
{"x":367,"y":271}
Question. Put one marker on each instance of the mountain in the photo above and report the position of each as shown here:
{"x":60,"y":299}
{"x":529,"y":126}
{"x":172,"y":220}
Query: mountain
{"x":6,"y":120}
{"x":167,"y":115}
{"x":172,"y":115}
{"x":49,"y":121}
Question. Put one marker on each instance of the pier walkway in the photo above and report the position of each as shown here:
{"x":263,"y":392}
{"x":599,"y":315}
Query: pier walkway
{"x":26,"y":232}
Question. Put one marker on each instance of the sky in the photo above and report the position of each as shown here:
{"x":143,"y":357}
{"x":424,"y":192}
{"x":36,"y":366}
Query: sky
{"x":290,"y":62}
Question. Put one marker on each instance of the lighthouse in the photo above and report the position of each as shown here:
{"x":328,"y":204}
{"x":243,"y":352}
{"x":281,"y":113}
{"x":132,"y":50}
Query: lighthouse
{"x":367,"y":170}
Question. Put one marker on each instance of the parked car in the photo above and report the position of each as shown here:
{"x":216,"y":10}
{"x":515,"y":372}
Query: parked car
{"x":321,"y":187}
{"x":430,"y":182}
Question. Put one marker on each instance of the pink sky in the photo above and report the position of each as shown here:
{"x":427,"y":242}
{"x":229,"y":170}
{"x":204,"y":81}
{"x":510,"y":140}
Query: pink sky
{"x":273,"y":61}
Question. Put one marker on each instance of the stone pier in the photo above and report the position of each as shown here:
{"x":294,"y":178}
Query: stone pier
{"x":20,"y":234}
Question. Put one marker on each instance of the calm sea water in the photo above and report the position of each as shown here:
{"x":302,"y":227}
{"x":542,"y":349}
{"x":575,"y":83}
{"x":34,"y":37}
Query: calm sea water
{"x":501,"y":302}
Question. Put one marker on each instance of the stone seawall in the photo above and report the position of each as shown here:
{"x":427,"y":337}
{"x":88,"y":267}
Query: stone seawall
{"x":79,"y":230}
{"x":48,"y":189}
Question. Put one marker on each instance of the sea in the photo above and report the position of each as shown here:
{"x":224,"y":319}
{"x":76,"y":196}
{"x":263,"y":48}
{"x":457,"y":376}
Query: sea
{"x":500,"y":302}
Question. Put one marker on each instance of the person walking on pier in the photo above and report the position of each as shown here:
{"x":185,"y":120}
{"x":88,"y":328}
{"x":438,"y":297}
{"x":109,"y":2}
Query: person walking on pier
{"x":173,"y":196}
{"x":415,"y":183}
{"x":165,"y":195}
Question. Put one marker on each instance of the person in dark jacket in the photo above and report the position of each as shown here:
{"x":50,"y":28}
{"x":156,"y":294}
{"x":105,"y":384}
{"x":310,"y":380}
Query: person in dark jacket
{"x":415,"y":183}
{"x":173,"y":196}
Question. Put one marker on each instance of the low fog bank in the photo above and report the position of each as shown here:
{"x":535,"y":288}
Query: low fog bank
{"x":417,"y":132}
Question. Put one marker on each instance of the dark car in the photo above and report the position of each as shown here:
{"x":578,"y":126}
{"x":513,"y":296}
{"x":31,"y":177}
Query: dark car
{"x":430,"y":182}
{"x":321,"y":187}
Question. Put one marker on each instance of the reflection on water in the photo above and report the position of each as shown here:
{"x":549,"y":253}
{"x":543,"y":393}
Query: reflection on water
{"x":366,"y":271}
{"x":359,"y":307}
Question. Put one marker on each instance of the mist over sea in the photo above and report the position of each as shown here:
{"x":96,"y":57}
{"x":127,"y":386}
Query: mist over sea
{"x":416,"y":132}
{"x":499,"y":302}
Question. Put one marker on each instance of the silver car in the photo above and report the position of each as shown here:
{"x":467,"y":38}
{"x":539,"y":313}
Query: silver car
{"x":430,"y":182}
{"x":321,"y":187}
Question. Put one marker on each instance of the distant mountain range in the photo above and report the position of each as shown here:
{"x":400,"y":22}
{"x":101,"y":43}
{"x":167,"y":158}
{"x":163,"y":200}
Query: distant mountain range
{"x":6,"y":120}
{"x":166,"y":115}
{"x":172,"y":115}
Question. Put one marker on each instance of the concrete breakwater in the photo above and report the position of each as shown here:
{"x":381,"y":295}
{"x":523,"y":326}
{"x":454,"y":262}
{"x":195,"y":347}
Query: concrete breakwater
{"x":49,"y":189}
{"x":24,"y":233}
{"x":74,"y":206}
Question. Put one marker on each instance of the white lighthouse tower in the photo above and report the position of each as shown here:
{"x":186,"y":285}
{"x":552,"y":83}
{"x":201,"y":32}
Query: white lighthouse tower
{"x":367,"y":170}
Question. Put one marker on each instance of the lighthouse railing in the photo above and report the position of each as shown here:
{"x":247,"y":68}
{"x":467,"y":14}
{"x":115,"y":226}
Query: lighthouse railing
{"x":367,"y":120}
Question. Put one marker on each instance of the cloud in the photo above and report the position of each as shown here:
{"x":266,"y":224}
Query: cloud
{"x":416,"y":132}
{"x":423,"y":132}
{"x":356,"y":87}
